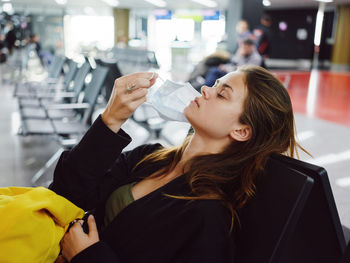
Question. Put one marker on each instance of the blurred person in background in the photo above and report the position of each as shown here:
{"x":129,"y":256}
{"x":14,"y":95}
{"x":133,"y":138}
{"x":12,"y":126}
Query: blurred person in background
{"x":200,"y":71}
{"x":10,"y":38}
{"x":3,"y":49}
{"x":35,"y":45}
{"x":214,"y":61}
{"x":243,"y":32}
{"x":262,"y":36}
{"x":245,"y":55}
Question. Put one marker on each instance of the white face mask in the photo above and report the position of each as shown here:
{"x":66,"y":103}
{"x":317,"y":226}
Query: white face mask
{"x":171,"y":98}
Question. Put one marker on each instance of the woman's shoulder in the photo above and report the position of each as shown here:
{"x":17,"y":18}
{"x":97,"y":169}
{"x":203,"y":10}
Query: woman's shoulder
{"x":142,"y":150}
{"x":134,"y":156}
{"x":147,"y":148}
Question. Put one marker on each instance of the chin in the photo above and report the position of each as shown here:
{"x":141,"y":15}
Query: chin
{"x":188,"y":114}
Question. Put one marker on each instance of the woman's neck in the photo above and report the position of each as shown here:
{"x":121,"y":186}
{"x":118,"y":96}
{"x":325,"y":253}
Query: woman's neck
{"x":200,"y":146}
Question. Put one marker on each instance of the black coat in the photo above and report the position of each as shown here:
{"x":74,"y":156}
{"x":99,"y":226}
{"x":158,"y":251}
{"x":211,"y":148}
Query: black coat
{"x":154,"y":228}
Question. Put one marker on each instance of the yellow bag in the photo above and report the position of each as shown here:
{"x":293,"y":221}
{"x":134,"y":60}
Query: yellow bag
{"x":32,"y":224}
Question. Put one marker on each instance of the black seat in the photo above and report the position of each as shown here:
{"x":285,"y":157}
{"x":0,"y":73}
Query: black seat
{"x":53,"y":74}
{"x":67,"y":132}
{"x":268,"y":220}
{"x":112,"y":75}
{"x":346,"y":257}
{"x":65,"y":127}
{"x":30,"y":99}
{"x":27,"y":111}
{"x":318,"y":235}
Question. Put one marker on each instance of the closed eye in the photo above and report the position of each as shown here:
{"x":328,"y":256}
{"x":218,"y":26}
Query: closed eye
{"x":220,"y":95}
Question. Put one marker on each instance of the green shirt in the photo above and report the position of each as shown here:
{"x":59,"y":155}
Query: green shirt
{"x":117,"y":201}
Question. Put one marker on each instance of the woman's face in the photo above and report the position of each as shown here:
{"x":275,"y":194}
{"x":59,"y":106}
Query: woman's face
{"x":216,"y":113}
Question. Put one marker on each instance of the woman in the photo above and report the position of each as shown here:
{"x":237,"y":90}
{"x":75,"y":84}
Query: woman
{"x":174,"y":204}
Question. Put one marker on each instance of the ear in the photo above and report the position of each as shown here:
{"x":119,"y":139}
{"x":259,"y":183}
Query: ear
{"x":241,"y":133}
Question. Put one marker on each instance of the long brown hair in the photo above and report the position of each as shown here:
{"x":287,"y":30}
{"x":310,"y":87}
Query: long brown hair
{"x":229,"y":176}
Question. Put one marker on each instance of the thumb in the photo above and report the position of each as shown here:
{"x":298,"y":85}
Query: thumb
{"x":92,"y":226}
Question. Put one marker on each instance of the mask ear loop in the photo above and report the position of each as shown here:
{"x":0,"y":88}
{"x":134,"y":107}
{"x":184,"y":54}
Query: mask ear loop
{"x":159,"y":77}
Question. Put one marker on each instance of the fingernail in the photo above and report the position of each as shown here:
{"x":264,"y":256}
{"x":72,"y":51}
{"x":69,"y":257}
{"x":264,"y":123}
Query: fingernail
{"x":153,"y":73}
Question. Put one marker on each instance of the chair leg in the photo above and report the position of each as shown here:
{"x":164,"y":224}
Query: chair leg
{"x":47,"y":165}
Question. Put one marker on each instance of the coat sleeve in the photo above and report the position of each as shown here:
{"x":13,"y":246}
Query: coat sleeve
{"x":98,"y":252}
{"x":87,"y":174}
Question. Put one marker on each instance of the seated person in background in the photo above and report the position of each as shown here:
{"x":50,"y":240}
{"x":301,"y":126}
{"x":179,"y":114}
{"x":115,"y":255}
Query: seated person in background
{"x":197,"y":76}
{"x":178,"y":204}
{"x":245,"y":55}
{"x":243,"y":32}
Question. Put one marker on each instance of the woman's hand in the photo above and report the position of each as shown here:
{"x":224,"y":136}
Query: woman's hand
{"x":76,"y":240}
{"x":128,"y":93}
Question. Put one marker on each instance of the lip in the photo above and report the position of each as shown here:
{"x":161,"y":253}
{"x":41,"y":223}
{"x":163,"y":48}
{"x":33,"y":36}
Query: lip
{"x":196,"y":101}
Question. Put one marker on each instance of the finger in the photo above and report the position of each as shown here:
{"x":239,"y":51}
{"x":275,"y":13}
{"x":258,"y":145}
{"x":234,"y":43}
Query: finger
{"x":145,"y":75}
{"x":141,"y":80}
{"x":136,"y":103}
{"x":78,"y":226}
{"x":81,"y":222}
{"x":138,"y":94}
{"x":92,"y":226}
{"x":138,"y":83}
{"x":153,"y":78}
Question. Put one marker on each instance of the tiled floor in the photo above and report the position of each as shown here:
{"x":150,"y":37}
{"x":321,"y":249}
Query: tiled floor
{"x":322,"y":112}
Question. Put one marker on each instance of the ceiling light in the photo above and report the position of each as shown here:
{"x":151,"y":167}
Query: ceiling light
{"x":159,"y":3}
{"x":8,"y":8}
{"x":325,"y":1}
{"x":61,"y":2}
{"x":208,"y":3}
{"x":6,"y":0}
{"x":113,"y":3}
{"x":266,"y":2}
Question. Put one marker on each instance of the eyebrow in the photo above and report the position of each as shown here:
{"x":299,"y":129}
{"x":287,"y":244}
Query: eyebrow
{"x":225,"y":85}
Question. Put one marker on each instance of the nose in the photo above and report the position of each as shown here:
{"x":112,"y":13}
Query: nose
{"x":205,"y":92}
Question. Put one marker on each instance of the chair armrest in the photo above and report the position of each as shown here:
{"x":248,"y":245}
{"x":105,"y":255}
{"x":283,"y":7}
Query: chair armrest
{"x":67,"y":106}
{"x":57,"y":95}
{"x":45,"y":95}
{"x":51,"y":81}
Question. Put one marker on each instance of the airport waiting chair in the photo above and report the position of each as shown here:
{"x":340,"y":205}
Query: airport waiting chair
{"x":50,"y":126}
{"x":132,"y":60}
{"x":42,"y":111}
{"x":346,"y":256}
{"x":267,"y":222}
{"x":67,"y":132}
{"x":318,"y":235}
{"x":113,"y":73}
{"x":54,"y":72}
{"x":26,"y":99}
